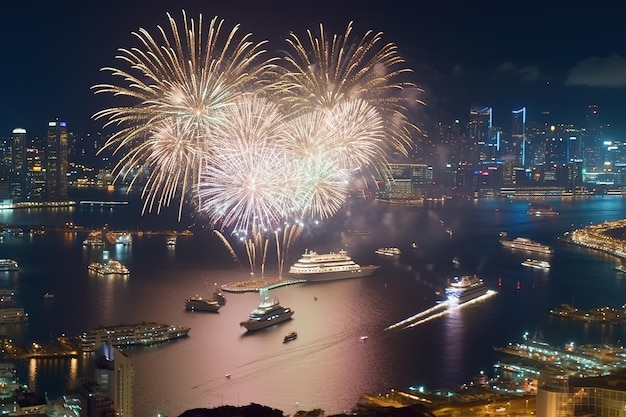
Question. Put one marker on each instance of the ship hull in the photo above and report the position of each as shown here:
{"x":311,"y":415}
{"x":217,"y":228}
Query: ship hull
{"x":252,"y":325}
{"x":364,"y":271}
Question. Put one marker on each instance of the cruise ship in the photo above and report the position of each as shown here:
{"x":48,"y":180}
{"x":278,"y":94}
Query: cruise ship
{"x":267,"y":313}
{"x":93,"y":242}
{"x":126,"y":335}
{"x":11,"y":315}
{"x":388,"y":251}
{"x":542,"y":211}
{"x":465,"y":288}
{"x":110,"y":267}
{"x":526,"y":244}
{"x":9,"y":265}
{"x":313,"y":266}
{"x":198,"y":303}
{"x":535,"y":263}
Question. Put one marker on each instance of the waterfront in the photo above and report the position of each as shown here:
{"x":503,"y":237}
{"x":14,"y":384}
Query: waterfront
{"x":328,"y":366}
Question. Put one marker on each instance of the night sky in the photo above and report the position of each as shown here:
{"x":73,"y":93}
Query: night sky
{"x":547,"y":56}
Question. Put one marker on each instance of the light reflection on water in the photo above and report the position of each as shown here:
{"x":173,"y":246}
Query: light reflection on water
{"x":328,"y":365}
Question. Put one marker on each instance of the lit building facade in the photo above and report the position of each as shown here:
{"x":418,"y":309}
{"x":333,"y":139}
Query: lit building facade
{"x":480,"y":133}
{"x":56,"y":160}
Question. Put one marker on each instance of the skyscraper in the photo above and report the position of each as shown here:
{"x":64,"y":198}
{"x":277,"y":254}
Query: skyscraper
{"x":592,"y":141}
{"x":480,"y":134}
{"x":115,"y":375}
{"x":518,"y":136}
{"x":19,"y":167}
{"x":56,"y":161}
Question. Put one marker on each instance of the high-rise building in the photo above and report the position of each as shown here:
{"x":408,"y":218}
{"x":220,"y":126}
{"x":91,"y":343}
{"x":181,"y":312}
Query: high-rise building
{"x":19,"y":168}
{"x":480,"y":133}
{"x":592,"y":140}
{"x":518,"y":137}
{"x":56,"y":161}
{"x":115,"y":376}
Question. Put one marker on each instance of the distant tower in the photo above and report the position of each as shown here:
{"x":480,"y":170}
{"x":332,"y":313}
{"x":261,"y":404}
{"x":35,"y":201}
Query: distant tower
{"x":19,"y":167}
{"x":480,"y":121}
{"x":56,"y":161}
{"x":518,"y":136}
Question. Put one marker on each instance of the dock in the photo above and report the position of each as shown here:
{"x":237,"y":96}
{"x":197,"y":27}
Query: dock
{"x":255,"y":285}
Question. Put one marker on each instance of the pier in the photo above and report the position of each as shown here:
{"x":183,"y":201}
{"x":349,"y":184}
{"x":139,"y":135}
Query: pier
{"x":255,"y":285}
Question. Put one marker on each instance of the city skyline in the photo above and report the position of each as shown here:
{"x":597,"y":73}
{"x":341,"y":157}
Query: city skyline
{"x":502,"y":56}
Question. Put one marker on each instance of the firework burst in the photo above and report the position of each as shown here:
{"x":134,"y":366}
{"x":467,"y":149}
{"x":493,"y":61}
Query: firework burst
{"x":179,"y":84}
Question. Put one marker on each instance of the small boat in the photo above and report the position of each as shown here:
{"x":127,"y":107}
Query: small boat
{"x":227,"y":376}
{"x":364,"y":337}
{"x":171,"y":241}
{"x":290,"y":336}
{"x":48,"y":296}
{"x":388,"y":251}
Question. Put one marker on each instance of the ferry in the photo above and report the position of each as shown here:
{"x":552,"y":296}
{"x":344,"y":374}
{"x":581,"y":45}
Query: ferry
{"x":9,"y":265}
{"x":110,"y":267}
{"x":542,"y":211}
{"x":465,"y":288}
{"x":535,"y":263}
{"x":171,"y":241}
{"x":198,"y":303}
{"x":126,"y":335}
{"x":388,"y":251}
{"x":329,"y":266}
{"x":526,"y":244}
{"x":10,"y":315}
{"x":267,"y":313}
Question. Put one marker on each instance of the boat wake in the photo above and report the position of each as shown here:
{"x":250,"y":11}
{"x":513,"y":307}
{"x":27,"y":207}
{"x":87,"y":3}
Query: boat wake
{"x":438,"y":310}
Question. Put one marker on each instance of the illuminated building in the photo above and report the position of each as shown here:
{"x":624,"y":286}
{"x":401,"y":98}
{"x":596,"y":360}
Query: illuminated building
{"x":480,"y":133}
{"x":56,"y":161}
{"x":19,"y":169}
{"x":115,"y":376}
{"x":518,"y":136}
{"x":407,"y":181}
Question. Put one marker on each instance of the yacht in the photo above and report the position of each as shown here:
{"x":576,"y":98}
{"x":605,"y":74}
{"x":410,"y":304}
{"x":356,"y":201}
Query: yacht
{"x":198,"y":303}
{"x":329,"y":266}
{"x":388,"y":251}
{"x":9,"y":265}
{"x":535,"y":263}
{"x":267,"y":313}
{"x":526,"y":244}
{"x":171,"y":241}
{"x":110,"y":267}
{"x":126,"y":335}
{"x":465,"y":288}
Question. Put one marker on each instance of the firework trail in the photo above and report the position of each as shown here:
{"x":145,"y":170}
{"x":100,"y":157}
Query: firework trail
{"x":228,"y":246}
{"x":179,"y":85}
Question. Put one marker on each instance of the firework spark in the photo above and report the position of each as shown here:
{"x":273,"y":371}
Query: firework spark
{"x":179,"y":84}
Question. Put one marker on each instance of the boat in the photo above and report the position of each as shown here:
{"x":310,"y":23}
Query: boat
{"x":526,"y":244}
{"x":313,"y":266}
{"x":10,"y":315}
{"x":290,"y":336}
{"x":267,"y":313}
{"x":110,"y":267}
{"x":126,"y":335}
{"x":48,"y":296}
{"x":388,"y":251}
{"x":198,"y":303}
{"x":621,"y":268}
{"x":9,"y":265}
{"x":465,"y":288}
{"x":124,"y":239}
{"x":93,"y":242}
{"x":171,"y":241}
{"x":218,"y":296}
{"x":535,"y":263}
{"x":414,"y":245}
{"x":542,"y":211}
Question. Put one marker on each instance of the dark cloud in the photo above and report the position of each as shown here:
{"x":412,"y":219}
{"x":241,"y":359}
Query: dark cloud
{"x":599,"y":72}
{"x":528,"y":73}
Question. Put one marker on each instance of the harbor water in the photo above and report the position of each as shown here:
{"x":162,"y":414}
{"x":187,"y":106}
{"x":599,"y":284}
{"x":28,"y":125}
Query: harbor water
{"x":331,"y":363}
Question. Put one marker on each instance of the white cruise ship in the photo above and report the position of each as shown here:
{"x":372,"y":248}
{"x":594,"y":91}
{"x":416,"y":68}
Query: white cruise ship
{"x":523,"y":243}
{"x":126,"y":335}
{"x":535,"y":263}
{"x":388,"y":251}
{"x":110,"y":267}
{"x":313,"y":266}
{"x":9,"y":265}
